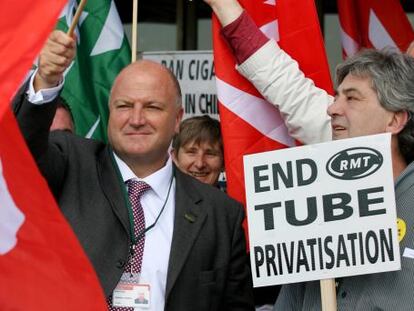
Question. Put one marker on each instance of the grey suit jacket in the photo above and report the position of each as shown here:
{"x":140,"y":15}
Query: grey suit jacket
{"x":207,"y":265}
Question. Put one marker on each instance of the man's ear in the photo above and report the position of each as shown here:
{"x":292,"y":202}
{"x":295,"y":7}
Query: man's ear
{"x":398,"y":122}
{"x":178,"y":120}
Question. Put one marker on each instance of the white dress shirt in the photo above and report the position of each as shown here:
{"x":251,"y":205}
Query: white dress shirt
{"x":42,"y":96}
{"x":158,"y":239}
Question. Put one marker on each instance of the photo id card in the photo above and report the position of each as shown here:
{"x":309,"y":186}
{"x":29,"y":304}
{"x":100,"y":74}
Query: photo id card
{"x":130,"y":292}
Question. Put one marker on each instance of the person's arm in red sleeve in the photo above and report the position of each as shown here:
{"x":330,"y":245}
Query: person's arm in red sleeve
{"x":275,"y":74}
{"x":239,"y":30}
{"x":244,"y":37}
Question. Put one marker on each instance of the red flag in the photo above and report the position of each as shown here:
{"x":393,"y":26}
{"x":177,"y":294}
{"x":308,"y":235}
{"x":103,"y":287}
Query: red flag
{"x":373,"y":24}
{"x":249,"y":123}
{"x":43,"y":266}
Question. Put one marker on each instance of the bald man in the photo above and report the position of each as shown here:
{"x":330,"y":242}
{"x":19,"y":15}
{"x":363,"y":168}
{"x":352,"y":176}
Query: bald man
{"x":190,"y":253}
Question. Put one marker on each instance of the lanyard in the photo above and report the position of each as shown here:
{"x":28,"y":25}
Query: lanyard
{"x":140,"y":235}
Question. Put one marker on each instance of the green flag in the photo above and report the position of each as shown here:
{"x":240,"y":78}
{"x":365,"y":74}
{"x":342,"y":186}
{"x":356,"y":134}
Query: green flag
{"x":102,"y":51}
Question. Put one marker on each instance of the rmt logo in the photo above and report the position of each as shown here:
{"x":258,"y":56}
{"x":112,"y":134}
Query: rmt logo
{"x":354,"y":163}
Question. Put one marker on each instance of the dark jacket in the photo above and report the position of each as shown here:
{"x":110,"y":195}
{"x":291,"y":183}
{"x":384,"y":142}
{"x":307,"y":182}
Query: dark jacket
{"x":207,"y":265}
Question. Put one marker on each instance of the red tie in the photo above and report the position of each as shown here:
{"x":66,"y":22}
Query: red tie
{"x":135,"y":190}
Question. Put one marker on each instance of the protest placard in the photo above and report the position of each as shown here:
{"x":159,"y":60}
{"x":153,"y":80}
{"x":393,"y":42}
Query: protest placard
{"x":195,"y":73}
{"x":322,"y":211}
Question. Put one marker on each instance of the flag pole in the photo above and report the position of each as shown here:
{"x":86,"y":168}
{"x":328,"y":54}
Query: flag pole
{"x":76,"y":18}
{"x":328,"y":295}
{"x":134,"y":30}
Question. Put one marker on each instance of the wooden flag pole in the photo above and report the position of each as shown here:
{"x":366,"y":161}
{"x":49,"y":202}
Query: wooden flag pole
{"x":134,"y":30}
{"x":76,"y":18}
{"x":328,"y":295}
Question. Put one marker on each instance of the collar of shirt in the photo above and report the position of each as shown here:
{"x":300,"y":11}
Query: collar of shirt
{"x":159,"y":180}
{"x":157,"y":240}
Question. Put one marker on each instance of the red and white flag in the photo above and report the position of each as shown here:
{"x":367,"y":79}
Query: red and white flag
{"x":373,"y":24}
{"x":249,"y":123}
{"x":42,"y":265}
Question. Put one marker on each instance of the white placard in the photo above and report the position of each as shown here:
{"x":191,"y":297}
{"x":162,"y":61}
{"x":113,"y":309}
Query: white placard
{"x":322,"y":211}
{"x":195,"y":73}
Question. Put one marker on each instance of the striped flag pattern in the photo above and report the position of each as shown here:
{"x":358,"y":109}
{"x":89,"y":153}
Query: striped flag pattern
{"x":373,"y":24}
{"x":249,"y":123}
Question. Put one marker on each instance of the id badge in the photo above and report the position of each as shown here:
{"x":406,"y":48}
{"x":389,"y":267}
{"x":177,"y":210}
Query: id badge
{"x":130,"y":292}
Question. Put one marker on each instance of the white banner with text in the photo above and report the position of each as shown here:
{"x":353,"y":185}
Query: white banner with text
{"x":195,"y":73}
{"x":322,"y":211}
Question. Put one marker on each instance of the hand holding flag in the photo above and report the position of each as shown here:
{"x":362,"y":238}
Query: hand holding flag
{"x":226,"y":10}
{"x":55,"y":57}
{"x":101,"y":43}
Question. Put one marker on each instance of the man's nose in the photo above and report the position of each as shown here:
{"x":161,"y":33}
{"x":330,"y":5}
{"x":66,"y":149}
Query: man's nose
{"x":335,"y":108}
{"x":137,"y":116}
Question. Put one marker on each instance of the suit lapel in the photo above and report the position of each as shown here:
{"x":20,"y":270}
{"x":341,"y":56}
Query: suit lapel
{"x":189,"y":219}
{"x":111,"y":185}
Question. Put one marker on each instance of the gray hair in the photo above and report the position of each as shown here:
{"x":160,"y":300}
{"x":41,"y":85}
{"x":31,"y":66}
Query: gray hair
{"x":392,"y":75}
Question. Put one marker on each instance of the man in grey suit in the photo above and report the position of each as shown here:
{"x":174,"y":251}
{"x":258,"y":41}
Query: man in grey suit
{"x":194,"y":255}
{"x":374,"y":95}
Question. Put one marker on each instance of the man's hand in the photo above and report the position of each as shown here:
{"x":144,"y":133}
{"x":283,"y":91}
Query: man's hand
{"x":57,"y":54}
{"x":226,"y":11}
